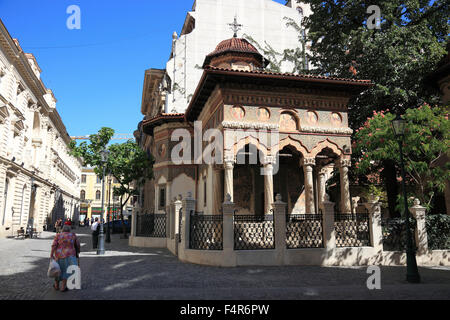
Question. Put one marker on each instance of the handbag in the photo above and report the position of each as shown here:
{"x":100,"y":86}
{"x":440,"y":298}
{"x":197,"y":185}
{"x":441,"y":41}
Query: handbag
{"x":54,"y":271}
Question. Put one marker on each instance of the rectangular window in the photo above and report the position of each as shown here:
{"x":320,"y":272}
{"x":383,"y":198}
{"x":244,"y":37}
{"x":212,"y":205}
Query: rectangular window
{"x":83,"y":178}
{"x":99,"y":180}
{"x":162,"y":198}
{"x":204,"y":192}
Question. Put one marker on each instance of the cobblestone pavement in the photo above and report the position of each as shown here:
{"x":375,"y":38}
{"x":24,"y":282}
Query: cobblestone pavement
{"x":155,"y":274}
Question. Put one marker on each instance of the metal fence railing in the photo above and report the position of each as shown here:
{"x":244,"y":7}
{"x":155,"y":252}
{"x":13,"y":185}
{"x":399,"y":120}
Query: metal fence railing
{"x":151,"y":225}
{"x":253,"y":232}
{"x":352,"y":229}
{"x":206,"y":232}
{"x":304,"y":231}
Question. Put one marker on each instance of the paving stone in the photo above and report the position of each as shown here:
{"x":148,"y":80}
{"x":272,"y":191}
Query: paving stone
{"x":155,"y":274}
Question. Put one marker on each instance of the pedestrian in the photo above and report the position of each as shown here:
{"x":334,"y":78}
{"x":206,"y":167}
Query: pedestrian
{"x":58,"y":225}
{"x":65,"y":251}
{"x":95,"y":232}
{"x":86,"y":222}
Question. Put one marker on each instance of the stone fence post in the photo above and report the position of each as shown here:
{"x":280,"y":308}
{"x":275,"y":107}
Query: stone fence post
{"x":279,"y":220}
{"x":175,"y":207}
{"x":375,"y":229}
{"x":133,"y":223}
{"x":188,"y":207}
{"x":329,"y":233}
{"x":421,"y":236}
{"x":228,"y":208}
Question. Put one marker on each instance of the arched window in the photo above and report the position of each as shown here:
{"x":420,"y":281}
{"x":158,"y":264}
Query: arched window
{"x":83,"y":195}
{"x":98,"y":195}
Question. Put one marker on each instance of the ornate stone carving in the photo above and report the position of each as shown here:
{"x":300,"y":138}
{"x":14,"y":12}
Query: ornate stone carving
{"x":343,"y":163}
{"x":333,"y":130}
{"x":249,"y":125}
{"x":308,"y":162}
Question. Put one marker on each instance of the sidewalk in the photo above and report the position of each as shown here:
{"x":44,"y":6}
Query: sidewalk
{"x":155,"y":274}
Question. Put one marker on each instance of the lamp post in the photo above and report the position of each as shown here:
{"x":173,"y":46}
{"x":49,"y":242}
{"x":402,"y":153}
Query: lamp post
{"x":412,"y":272}
{"x":101,"y":236}
{"x":108,"y":232}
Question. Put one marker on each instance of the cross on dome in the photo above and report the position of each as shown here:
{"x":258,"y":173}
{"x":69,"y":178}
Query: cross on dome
{"x":235,"y":26}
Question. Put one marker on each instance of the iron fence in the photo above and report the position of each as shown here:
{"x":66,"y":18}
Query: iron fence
{"x":151,"y":225}
{"x":253,"y":232}
{"x":352,"y":230}
{"x":394,"y":233}
{"x":304,"y":231}
{"x":206,"y":232}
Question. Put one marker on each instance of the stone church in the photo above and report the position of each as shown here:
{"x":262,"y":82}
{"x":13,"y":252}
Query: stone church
{"x":235,"y":95}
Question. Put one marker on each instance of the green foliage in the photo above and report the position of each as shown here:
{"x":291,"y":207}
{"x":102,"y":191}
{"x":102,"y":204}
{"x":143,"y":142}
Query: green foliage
{"x":438,"y":231}
{"x":397,"y":57}
{"x":427,"y":137}
{"x":127,"y":162}
{"x":130,"y":165}
{"x":91,"y":152}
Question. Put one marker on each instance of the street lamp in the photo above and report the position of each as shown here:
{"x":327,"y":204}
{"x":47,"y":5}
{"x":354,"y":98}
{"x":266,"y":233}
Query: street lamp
{"x":101,"y":236}
{"x":412,"y":272}
{"x":108,"y":233}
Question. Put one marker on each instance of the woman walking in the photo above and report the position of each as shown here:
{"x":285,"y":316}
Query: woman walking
{"x":65,"y":250}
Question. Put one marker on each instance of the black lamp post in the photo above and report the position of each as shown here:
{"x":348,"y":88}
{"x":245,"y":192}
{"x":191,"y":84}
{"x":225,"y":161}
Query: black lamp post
{"x":101,"y":236}
{"x":108,"y":232}
{"x":412,"y":272}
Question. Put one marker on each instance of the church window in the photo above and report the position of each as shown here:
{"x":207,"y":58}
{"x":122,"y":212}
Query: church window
{"x":162,"y":198}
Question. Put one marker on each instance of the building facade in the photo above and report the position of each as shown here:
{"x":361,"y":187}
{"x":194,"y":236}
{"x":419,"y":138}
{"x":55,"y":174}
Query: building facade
{"x":39,"y":180}
{"x":91,"y":196}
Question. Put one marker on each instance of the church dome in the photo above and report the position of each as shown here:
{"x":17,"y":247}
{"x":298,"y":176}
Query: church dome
{"x":234,"y":52}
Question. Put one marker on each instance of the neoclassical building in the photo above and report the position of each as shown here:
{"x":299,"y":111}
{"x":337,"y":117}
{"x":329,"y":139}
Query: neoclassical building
{"x":39,"y":180}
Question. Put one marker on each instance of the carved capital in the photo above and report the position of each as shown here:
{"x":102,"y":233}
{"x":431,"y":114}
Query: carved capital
{"x":308,"y":162}
{"x":341,"y":163}
{"x":269,"y":160}
{"x":229,"y":158}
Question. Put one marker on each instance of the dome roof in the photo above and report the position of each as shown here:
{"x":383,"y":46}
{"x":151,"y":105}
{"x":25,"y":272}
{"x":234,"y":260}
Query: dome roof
{"x":233,"y":45}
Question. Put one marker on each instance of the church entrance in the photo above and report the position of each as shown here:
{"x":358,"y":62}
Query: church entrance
{"x":289,"y":180}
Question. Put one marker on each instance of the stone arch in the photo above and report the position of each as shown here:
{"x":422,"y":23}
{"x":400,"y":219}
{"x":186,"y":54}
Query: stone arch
{"x":326,"y":144}
{"x":250,"y":140}
{"x":294,"y":143}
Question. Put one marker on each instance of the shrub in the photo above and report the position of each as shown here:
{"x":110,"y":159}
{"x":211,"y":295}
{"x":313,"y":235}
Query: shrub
{"x":438,"y":230}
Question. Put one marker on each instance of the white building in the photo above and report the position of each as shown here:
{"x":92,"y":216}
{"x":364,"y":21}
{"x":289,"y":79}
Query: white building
{"x":39,"y":180}
{"x":207,"y":24}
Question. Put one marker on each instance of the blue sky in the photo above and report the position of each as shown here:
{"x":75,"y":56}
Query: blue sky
{"x":97,"y":72}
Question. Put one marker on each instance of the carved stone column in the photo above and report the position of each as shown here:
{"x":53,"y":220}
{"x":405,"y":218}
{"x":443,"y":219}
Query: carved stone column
{"x":343,"y":164}
{"x":228,"y":176}
{"x":268,"y":183}
{"x":321,"y":179}
{"x":308,"y":164}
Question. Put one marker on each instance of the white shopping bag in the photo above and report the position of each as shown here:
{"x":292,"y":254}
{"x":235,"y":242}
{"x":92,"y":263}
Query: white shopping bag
{"x":53,"y":269}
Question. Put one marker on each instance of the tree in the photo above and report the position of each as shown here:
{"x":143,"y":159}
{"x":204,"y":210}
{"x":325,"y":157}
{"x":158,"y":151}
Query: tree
{"x":427,"y":137}
{"x":397,"y":57}
{"x":127,"y":162}
{"x":131,"y":167}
